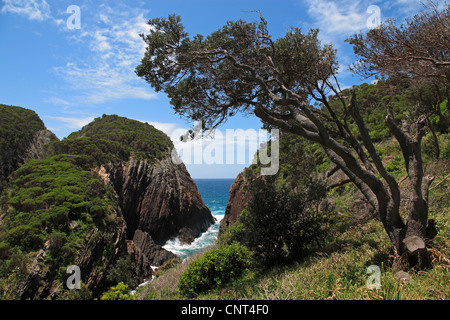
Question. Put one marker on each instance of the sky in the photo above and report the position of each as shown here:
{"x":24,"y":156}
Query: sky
{"x":73,"y":60}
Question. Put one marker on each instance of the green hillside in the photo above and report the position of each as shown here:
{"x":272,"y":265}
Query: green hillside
{"x":17,"y":127}
{"x":329,"y":238}
{"x":57,"y":202}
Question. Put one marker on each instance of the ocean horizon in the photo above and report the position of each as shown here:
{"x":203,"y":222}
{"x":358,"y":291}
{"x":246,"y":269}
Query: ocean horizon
{"x":215,"y":194}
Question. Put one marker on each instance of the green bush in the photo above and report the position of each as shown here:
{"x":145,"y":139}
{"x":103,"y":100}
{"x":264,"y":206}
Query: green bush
{"x":280,"y":225}
{"x":429,"y":148}
{"x":215,"y":268}
{"x":119,"y":292}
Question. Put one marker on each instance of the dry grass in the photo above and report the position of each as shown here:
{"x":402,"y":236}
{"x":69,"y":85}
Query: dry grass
{"x":164,"y":286}
{"x":339,"y":270}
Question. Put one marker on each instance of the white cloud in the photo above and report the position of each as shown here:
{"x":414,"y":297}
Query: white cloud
{"x":338,"y":17}
{"x":73,"y":122}
{"x":110,"y":48}
{"x":58,"y":101}
{"x":32,"y":9}
{"x":113,"y":50}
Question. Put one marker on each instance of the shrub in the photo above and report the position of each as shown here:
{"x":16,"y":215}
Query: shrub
{"x":119,"y":292}
{"x":215,"y":268}
{"x":279,"y":225}
{"x":121,"y":272}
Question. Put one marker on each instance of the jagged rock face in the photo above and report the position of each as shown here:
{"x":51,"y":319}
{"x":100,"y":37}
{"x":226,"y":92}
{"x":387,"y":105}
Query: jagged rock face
{"x":160,"y":199}
{"x":40,"y":283}
{"x":35,"y":149}
{"x":237,"y":202}
{"x":94,"y":254}
{"x":145,"y":253}
{"x":13,"y":158}
{"x":156,"y":201}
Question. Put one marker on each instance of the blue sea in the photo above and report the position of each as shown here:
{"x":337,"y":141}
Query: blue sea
{"x":215,"y":193}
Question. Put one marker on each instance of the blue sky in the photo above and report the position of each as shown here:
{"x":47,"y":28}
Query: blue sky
{"x":70,"y":76}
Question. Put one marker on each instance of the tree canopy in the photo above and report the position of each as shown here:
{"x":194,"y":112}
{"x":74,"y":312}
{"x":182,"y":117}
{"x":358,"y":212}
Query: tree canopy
{"x":240,"y":68}
{"x":417,"y":52}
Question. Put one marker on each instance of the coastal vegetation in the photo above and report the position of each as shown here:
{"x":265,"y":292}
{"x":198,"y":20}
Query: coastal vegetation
{"x":241,"y":69}
{"x":111,"y":139}
{"x":363,"y":177}
{"x":58,"y":209}
{"x":334,"y":266}
{"x":363,"y":182}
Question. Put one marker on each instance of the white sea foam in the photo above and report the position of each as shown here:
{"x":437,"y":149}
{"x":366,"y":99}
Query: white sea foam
{"x":206,"y":239}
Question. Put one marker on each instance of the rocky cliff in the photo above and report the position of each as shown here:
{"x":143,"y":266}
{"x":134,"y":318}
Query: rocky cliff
{"x":236,"y":202}
{"x":104,"y":199}
{"x":22,"y":137}
{"x":160,"y":199}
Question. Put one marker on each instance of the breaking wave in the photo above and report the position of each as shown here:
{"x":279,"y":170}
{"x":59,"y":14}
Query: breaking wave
{"x":205,"y":239}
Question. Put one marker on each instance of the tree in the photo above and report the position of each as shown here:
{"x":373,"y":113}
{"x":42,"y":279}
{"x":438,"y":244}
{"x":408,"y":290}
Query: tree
{"x":239,"y":68}
{"x":278,"y":225}
{"x":418,"y":51}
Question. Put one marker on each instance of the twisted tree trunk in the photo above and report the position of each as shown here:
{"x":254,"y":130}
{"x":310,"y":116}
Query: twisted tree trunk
{"x":413,"y":236}
{"x":408,"y":239}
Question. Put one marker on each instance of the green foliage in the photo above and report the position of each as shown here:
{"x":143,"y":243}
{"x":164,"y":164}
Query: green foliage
{"x":215,"y":268}
{"x":79,"y":294}
{"x":372,"y":101}
{"x":17,"y":127}
{"x":206,"y":82}
{"x":300,"y":160}
{"x":121,"y":272}
{"x":13,"y":272}
{"x":113,"y":138}
{"x":280,"y":225}
{"x":101,"y":151}
{"x":429,"y":149}
{"x":44,"y":197}
{"x":119,"y":292}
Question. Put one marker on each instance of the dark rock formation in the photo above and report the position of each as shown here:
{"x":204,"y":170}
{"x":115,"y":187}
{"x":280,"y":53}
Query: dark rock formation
{"x":93,"y":260}
{"x":237,"y":202}
{"x":156,"y":200}
{"x":159,"y":199}
{"x":145,"y":253}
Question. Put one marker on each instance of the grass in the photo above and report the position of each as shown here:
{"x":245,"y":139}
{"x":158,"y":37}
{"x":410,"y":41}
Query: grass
{"x":338,"y":271}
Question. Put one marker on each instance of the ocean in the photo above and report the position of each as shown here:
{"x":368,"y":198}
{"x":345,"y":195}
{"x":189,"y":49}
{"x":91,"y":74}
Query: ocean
{"x":215,"y":193}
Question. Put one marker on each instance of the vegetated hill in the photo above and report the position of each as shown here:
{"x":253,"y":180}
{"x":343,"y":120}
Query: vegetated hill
{"x":111,"y":139}
{"x":22,"y":135}
{"x":336,"y":266}
{"x":156,"y":195}
{"x":103,"y":199}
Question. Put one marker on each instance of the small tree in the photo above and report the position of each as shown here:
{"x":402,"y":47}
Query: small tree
{"x":418,"y":51}
{"x":280,"y":225}
{"x":239,"y":68}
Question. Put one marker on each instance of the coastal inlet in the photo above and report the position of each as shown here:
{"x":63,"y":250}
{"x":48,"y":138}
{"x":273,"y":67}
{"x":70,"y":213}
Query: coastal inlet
{"x":215,"y":193}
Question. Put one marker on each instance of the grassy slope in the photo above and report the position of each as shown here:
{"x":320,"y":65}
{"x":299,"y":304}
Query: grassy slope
{"x":339,"y":270}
